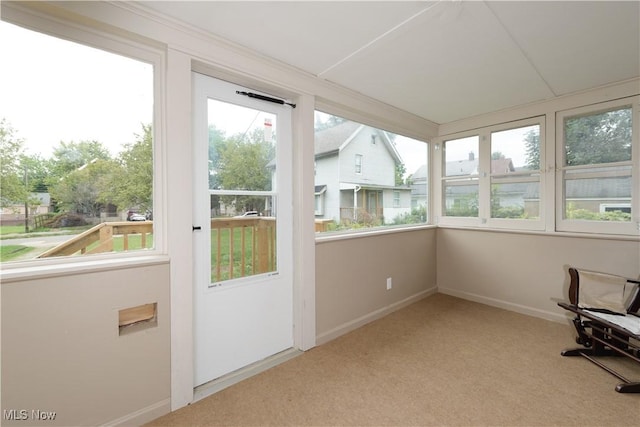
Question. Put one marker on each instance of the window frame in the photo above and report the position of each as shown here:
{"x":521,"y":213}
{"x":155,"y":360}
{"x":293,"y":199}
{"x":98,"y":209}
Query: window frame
{"x":518,"y":223}
{"x":132,"y":49}
{"x":484,"y":220}
{"x":591,"y":226}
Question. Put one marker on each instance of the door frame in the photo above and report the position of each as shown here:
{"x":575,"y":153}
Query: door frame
{"x":177,"y":122}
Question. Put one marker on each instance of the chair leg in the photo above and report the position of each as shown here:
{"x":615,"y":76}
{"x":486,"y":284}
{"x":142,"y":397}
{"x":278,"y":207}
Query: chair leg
{"x":628,"y":388}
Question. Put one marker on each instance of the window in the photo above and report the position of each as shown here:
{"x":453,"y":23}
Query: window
{"x":596,"y":179}
{"x":492,"y":176}
{"x":396,"y":199}
{"x":358,"y":168}
{"x":515,"y":173}
{"x":390,"y":190}
{"x":460,"y":187}
{"x":76,"y":147}
{"x":319,"y":196}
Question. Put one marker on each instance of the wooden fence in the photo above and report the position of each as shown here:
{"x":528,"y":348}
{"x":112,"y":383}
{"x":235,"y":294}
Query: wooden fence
{"x":242,"y":247}
{"x":99,"y":239}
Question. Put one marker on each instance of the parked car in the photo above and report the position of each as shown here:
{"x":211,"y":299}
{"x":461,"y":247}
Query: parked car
{"x":136,"y":217}
{"x":248,"y":213}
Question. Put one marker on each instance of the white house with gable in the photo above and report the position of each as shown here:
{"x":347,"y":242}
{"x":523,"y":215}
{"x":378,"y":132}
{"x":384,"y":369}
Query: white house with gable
{"x":355,"y":169}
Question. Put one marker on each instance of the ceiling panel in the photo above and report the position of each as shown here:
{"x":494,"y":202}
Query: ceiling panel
{"x":453,"y":61}
{"x":441,"y":60}
{"x":576,"y":45}
{"x":311,"y":36}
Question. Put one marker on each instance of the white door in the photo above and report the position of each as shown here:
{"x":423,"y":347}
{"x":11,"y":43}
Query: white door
{"x":243,"y":296}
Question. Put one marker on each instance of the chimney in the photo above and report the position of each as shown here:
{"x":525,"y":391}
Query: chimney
{"x":471,"y":155}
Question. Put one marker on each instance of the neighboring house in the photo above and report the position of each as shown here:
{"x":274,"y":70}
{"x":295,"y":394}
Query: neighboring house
{"x":355,"y":175}
{"x":15,"y":213}
{"x":419,"y":185}
{"x":595,"y":195}
{"x":604,"y":194}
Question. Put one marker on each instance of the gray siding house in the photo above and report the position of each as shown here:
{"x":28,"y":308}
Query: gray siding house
{"x":355,"y":176}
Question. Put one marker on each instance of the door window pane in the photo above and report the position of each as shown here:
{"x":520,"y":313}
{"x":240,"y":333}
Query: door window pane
{"x":242,"y":185}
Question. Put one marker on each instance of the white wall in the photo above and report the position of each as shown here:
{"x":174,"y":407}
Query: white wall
{"x":351,"y":277}
{"x":525,"y":272}
{"x":62,"y":351}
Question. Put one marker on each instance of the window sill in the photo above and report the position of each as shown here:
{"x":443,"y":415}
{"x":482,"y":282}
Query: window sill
{"x":596,"y":236}
{"x":335,"y":236}
{"x":67,"y":268}
{"x":350,"y":234}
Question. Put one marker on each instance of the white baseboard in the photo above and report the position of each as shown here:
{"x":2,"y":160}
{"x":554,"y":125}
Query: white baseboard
{"x":144,"y":415}
{"x":529,"y":311}
{"x":370,"y":317}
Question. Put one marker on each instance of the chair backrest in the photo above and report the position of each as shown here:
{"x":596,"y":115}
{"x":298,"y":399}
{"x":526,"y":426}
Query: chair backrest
{"x":591,"y":289}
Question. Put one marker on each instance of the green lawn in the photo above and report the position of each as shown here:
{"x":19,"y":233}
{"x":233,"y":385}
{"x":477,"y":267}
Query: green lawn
{"x":11,"y":229}
{"x":9,"y":252}
{"x":237,"y":253}
{"x":135,"y":243}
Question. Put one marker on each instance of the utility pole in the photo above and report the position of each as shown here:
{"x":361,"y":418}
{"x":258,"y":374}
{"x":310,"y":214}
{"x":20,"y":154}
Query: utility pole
{"x":26,"y":200}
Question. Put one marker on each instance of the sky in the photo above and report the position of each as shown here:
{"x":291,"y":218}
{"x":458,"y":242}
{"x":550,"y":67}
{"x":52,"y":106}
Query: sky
{"x":36,"y":78}
{"x":508,"y":142}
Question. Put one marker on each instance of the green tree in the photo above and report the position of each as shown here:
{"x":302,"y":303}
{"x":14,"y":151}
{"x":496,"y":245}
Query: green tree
{"x":37,"y":172}
{"x":532,"y":149}
{"x":217,"y":144}
{"x":598,"y":138}
{"x":79,"y":191}
{"x":12,"y":172}
{"x":77,"y":172}
{"x":401,"y":169}
{"x":244,"y":164}
{"x":129,"y":182}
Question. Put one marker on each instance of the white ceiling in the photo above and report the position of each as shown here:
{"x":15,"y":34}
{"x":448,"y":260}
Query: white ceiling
{"x":440,"y":60}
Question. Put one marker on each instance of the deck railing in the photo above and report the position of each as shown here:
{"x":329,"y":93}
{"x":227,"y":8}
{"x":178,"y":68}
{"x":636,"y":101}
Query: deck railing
{"x":242,"y":247}
{"x":99,"y":239}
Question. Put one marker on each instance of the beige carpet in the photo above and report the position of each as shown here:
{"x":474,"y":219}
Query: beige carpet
{"x":440,"y":362}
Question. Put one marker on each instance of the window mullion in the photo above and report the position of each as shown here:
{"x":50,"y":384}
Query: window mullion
{"x":484,"y":172}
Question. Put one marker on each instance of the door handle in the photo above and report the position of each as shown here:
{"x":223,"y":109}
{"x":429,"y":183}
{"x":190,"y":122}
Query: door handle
{"x":196,"y":227}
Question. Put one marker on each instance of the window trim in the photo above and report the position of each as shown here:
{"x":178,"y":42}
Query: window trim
{"x":563,"y":224}
{"x":114,"y":44}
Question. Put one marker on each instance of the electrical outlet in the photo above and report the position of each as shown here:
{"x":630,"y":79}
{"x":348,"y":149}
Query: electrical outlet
{"x":389,"y":283}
